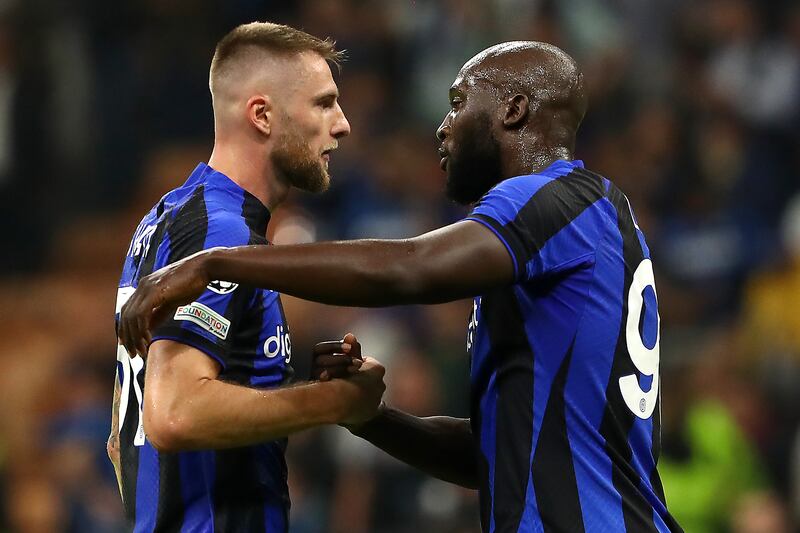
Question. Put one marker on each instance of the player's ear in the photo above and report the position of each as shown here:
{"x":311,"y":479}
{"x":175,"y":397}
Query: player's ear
{"x":259,"y":113}
{"x":516,"y":111}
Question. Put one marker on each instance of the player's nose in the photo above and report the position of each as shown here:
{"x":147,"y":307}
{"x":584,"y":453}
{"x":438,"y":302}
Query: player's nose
{"x":341,"y":128}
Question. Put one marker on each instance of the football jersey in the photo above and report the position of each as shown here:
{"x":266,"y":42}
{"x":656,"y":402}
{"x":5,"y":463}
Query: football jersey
{"x":243,"y":328}
{"x":564,"y":361}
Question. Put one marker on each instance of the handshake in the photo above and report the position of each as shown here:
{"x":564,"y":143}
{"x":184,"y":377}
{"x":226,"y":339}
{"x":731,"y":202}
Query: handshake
{"x":360,"y":378}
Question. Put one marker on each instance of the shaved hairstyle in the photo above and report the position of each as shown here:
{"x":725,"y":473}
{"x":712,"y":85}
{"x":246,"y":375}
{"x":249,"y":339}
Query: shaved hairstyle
{"x":545,"y":73}
{"x":277,"y":39}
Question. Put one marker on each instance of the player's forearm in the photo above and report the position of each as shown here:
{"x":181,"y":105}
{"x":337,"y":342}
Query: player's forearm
{"x":453,"y":262}
{"x":440,"y":446}
{"x":215,"y":414}
{"x":361,"y":273}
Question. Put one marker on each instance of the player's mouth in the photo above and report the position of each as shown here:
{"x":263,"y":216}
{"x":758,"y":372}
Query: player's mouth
{"x":444,"y":155}
{"x":326,"y":154}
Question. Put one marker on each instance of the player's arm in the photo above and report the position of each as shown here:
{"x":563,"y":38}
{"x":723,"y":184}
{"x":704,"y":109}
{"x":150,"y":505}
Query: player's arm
{"x":460,"y":260}
{"x":440,"y":446}
{"x":186,"y":407}
{"x":453,"y":262}
{"x":112,"y":446}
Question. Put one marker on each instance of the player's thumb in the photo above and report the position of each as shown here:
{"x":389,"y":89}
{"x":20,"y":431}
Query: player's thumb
{"x":355,"y":351}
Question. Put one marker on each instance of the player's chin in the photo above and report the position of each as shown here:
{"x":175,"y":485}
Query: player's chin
{"x":323,"y":184}
{"x":460,"y":194}
{"x":315,"y":182}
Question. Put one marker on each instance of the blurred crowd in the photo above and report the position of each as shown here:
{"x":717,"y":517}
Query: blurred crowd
{"x":694,"y":113}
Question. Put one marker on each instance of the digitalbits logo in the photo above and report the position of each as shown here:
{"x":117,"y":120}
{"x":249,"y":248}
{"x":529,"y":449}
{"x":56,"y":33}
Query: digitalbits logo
{"x":278,"y":344}
{"x":222,"y":287}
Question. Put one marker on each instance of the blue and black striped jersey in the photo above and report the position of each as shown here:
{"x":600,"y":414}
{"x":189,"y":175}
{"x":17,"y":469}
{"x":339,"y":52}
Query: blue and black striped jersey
{"x":564,"y":362}
{"x":241,"y":327}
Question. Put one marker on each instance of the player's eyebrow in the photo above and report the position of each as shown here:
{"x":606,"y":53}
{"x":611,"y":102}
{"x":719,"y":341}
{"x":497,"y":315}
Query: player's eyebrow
{"x":328,"y":97}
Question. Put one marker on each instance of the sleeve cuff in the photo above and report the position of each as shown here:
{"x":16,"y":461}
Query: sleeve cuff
{"x":494,"y":228}
{"x":194,"y":340}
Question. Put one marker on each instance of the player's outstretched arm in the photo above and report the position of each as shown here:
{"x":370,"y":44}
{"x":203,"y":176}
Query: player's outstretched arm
{"x":186,"y":407}
{"x":460,"y":260}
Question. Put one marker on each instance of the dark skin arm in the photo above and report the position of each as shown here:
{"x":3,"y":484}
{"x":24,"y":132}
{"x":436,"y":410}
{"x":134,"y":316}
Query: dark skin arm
{"x":453,"y":262}
{"x":440,"y":446}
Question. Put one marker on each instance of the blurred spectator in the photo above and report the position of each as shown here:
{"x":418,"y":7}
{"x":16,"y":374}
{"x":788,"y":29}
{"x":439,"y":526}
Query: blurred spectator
{"x":708,"y":464}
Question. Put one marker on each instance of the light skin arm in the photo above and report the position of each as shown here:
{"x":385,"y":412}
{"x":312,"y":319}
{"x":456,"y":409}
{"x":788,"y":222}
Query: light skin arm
{"x":112,"y":446}
{"x":186,"y":407}
{"x":457,"y":261}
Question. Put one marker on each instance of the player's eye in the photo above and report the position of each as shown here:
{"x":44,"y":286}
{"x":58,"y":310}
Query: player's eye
{"x":326,"y":103}
{"x":455,"y":103}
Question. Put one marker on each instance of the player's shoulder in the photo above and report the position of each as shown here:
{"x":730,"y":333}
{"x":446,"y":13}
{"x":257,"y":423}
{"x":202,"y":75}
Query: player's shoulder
{"x":569,"y":186}
{"x":198,"y":214}
{"x":549,"y":180}
{"x":561,"y":191}
{"x":524,"y":184}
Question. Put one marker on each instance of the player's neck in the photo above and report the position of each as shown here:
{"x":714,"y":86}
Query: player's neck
{"x":532,"y":158}
{"x":252,"y":173}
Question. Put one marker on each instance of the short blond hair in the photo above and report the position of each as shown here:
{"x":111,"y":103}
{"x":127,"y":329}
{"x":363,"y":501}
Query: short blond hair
{"x":270,"y":37}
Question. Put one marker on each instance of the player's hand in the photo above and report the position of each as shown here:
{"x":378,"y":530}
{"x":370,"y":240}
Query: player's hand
{"x":362,"y":392}
{"x":336,"y":359}
{"x":157,"y":296}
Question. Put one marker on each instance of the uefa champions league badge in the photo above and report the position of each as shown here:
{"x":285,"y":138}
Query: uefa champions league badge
{"x":222,"y":287}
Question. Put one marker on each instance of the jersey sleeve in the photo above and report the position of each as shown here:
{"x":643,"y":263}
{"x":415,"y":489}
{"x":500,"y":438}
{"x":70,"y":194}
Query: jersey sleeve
{"x":547,"y":225}
{"x":209,"y":322}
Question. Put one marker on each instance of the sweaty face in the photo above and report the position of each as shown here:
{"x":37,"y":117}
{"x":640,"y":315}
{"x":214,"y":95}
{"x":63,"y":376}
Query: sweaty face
{"x":470,"y":149}
{"x":310,"y":127}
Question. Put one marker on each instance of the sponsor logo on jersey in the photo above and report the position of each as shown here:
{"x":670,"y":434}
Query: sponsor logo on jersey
{"x":140,"y":244}
{"x":205,"y":317}
{"x":472,"y":328}
{"x":279,"y":344}
{"x":222,"y":287}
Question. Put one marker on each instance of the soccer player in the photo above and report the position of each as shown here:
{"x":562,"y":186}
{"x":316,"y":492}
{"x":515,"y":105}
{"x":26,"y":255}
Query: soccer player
{"x":199,"y":432}
{"x":564,"y":331}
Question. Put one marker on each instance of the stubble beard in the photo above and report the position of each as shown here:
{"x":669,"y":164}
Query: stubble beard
{"x":299,"y":165}
{"x":475,"y":167}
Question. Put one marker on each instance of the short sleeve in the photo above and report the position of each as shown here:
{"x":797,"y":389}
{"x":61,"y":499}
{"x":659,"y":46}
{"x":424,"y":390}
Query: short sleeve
{"x":209,"y":322}
{"x":547,"y":225}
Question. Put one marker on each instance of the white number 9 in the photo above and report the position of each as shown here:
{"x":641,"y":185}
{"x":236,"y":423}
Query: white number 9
{"x":645,"y":359}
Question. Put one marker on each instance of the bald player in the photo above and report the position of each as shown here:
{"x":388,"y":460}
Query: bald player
{"x":199,"y":432}
{"x":563,"y":337}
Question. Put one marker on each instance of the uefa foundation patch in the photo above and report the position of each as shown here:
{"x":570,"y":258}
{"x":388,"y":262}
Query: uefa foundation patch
{"x":205,"y":317}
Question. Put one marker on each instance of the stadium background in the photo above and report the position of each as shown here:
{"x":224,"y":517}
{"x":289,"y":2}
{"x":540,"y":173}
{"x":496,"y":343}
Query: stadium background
{"x":694,"y":114}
